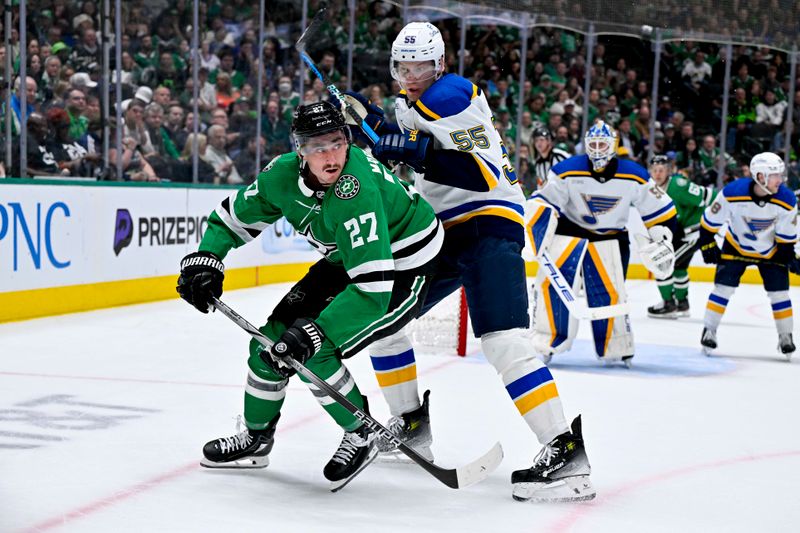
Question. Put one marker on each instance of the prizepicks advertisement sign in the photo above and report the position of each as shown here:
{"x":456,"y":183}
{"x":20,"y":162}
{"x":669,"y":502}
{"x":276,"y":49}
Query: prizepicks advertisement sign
{"x":60,"y":235}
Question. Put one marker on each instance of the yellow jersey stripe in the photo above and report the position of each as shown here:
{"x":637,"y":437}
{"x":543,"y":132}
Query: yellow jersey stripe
{"x":785,"y":313}
{"x":575,"y":173}
{"x":491,"y":179}
{"x":738,"y":198}
{"x":633,"y":177}
{"x":733,"y":243}
{"x":494,"y":211}
{"x":706,"y":226}
{"x":536,"y":397}
{"x":474,"y":92}
{"x":781,"y":203}
{"x":713,"y":306}
{"x":423,"y":109}
{"x":664,"y":216}
{"x":387,"y":379}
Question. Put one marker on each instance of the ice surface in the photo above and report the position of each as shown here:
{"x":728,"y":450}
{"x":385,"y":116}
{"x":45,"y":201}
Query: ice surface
{"x":103,"y":416}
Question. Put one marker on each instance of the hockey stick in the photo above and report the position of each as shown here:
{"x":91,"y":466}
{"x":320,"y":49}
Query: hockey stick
{"x":457,"y":478}
{"x":565,"y":293}
{"x":300,"y":46}
{"x":751,"y":260}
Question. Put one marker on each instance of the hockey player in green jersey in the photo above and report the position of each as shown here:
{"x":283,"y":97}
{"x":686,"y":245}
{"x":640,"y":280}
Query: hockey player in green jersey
{"x":379,"y":239}
{"x":690,"y":201}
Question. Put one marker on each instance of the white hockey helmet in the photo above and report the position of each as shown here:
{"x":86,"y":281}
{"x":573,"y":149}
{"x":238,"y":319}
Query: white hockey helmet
{"x":417,"y":42}
{"x":772,"y":171}
{"x":600,"y":143}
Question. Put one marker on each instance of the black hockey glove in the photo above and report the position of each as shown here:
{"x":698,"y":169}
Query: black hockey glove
{"x":409,"y":147}
{"x":711,"y":253}
{"x":301,"y":341}
{"x":794,"y":266}
{"x":201,"y":278}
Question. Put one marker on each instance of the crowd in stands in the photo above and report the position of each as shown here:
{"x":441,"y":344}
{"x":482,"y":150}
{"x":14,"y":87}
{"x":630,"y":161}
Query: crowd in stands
{"x":65,"y":85}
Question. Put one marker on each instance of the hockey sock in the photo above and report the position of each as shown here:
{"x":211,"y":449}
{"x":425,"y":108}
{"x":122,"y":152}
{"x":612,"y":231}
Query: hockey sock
{"x":681,"y":284}
{"x":665,"y":287}
{"x":396,"y":369}
{"x":528,"y":382}
{"x":265,"y":389}
{"x":327,"y":366}
{"x":717,"y":302}
{"x":781,"y":310}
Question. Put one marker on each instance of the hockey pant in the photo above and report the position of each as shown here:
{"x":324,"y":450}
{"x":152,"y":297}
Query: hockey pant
{"x":597,"y":266}
{"x":265,"y":390}
{"x":492,"y":272}
{"x":726,"y":279}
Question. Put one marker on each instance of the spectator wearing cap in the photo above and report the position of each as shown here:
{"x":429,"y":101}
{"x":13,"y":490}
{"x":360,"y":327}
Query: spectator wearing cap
{"x":670,"y":138}
{"x":546,"y":88}
{"x":68,"y":153}
{"x":76,"y":108}
{"x":664,"y":112}
{"x":546,"y":156}
{"x":82,"y":81}
{"x":218,"y":157}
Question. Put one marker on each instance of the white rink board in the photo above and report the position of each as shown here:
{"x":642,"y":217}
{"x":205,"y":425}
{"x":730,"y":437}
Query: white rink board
{"x":62,"y":235}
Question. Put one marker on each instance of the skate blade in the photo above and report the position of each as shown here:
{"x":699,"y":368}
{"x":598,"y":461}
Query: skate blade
{"x":336,"y":486}
{"x":670,"y":316}
{"x":249,"y":462}
{"x":684,"y":314}
{"x":395,"y":456}
{"x":570,"y":489}
{"x":708,"y":351}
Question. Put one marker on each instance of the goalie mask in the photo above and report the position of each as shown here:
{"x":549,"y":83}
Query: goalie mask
{"x":417,"y":54}
{"x":600,"y":143}
{"x":768,"y":171}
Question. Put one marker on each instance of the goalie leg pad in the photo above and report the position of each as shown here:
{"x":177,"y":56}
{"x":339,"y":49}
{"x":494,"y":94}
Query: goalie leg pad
{"x":554,"y":328}
{"x":528,"y":382}
{"x":604,"y":282}
{"x":396,"y":369}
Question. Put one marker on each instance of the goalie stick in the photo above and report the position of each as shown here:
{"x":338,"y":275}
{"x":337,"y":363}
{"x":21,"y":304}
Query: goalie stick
{"x":456,"y":478}
{"x":300,"y":46}
{"x":567,"y":295}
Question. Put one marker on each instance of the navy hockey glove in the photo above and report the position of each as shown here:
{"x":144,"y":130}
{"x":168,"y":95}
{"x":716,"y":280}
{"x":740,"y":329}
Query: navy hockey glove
{"x":794,"y":266}
{"x":301,"y":341}
{"x":201,"y":278}
{"x":409,"y":147}
{"x":711,"y":253}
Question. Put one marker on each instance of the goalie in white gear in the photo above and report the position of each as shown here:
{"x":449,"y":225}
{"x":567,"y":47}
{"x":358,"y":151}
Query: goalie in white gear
{"x":761,"y":216}
{"x":446,"y":135}
{"x":587,"y":199}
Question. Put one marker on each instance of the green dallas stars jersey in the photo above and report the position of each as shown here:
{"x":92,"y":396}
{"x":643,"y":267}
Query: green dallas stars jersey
{"x":369,"y":221}
{"x":690,"y":200}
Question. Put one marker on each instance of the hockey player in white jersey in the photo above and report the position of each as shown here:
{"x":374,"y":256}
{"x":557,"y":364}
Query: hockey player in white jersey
{"x":445,"y":133}
{"x":580,"y":218}
{"x":761,"y":214}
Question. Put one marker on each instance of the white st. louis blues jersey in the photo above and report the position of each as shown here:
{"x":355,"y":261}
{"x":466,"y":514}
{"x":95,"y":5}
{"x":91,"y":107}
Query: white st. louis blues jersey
{"x":753,"y":230}
{"x":469,"y":173}
{"x":603,"y":207}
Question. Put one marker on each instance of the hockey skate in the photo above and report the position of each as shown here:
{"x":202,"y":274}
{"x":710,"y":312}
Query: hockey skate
{"x":560,"y":473}
{"x":663,"y":309}
{"x":683,"y":308}
{"x":708,"y":340}
{"x":356,"y":451}
{"x":786,"y":345}
{"x":247,"y":449}
{"x":414,"y":429}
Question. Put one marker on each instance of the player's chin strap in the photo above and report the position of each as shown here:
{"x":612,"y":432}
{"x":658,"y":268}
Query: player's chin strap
{"x":456,"y":478}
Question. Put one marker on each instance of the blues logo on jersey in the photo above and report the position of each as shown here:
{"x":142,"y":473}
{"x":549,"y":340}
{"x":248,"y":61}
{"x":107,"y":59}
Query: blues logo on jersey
{"x":757,"y":225}
{"x":597,"y":205}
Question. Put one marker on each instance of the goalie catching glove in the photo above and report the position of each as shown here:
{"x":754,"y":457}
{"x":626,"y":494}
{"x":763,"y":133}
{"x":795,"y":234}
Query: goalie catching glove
{"x":657,"y":251}
{"x":301,"y":342}
{"x":201,"y":279}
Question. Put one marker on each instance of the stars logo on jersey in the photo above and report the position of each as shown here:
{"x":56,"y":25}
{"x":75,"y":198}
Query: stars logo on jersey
{"x":597,"y":205}
{"x":757,"y":225}
{"x":347,"y":186}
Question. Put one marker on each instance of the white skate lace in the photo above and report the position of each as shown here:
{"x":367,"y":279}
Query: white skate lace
{"x":544,"y":457}
{"x":348,"y":448}
{"x":237,"y":442}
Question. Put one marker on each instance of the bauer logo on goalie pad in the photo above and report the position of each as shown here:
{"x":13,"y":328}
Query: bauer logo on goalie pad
{"x":598,"y":205}
{"x":347,"y":186}
{"x":558,"y":282}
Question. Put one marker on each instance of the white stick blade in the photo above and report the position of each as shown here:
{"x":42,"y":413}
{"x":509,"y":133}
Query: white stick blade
{"x":481,"y":468}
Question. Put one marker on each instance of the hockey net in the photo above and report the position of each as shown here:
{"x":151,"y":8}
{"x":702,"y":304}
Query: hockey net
{"x":443,"y":329}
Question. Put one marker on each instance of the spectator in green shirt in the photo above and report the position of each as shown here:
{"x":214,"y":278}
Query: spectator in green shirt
{"x":76,"y":106}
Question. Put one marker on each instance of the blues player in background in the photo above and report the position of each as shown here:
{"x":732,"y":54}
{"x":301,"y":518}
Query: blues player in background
{"x":445,"y":133}
{"x":580,"y":218}
{"x":761,"y":214}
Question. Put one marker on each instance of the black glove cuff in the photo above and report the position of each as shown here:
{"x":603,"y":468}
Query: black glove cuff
{"x":203,"y":259}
